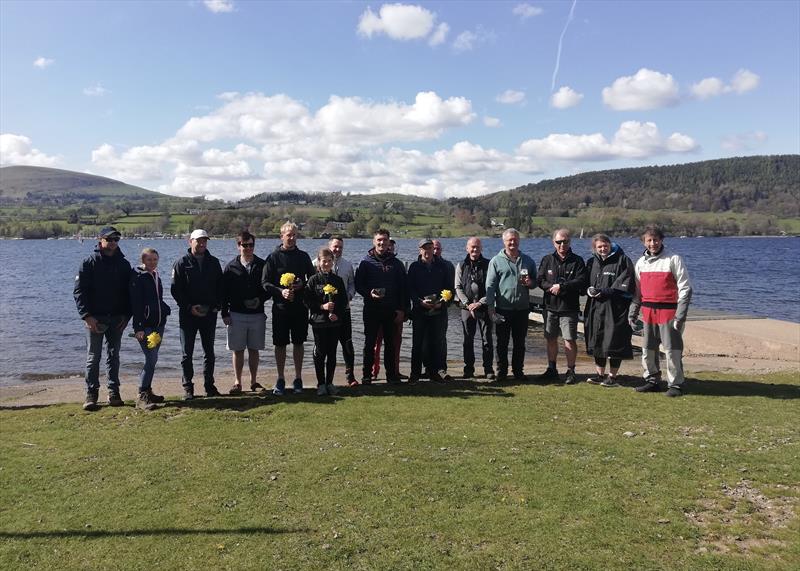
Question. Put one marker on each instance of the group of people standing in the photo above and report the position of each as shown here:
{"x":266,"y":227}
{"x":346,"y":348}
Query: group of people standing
{"x":493,"y":294}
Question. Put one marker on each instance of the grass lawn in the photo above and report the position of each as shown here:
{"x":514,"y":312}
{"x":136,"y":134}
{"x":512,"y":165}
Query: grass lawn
{"x":462,"y":476}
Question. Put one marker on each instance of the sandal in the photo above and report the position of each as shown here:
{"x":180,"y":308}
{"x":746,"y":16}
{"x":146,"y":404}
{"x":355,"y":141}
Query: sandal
{"x":256,"y":388}
{"x":235,"y":390}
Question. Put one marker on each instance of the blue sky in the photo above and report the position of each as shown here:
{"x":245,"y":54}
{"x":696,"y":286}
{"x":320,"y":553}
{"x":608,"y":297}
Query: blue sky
{"x":227,"y":98}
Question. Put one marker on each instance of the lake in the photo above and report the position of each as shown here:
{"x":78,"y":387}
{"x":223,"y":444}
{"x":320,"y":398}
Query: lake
{"x":41,"y":335}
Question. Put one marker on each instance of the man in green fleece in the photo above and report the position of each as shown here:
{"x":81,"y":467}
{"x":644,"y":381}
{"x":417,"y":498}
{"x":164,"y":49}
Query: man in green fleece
{"x":509,"y":280}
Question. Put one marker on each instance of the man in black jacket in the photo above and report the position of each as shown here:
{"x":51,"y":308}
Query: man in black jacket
{"x":470,"y":282}
{"x":103,"y":302}
{"x":563,"y":279}
{"x":243,"y":309}
{"x":197,"y":289}
{"x":289,"y":313}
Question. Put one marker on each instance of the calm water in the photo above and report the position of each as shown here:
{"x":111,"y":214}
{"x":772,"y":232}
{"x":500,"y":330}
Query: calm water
{"x":41,"y":335}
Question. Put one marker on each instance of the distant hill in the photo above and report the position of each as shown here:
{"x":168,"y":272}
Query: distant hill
{"x":762,"y":184}
{"x":40,"y":185}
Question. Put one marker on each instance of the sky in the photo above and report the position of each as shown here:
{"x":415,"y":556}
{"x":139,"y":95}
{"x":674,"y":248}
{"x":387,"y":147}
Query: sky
{"x":229,"y":98}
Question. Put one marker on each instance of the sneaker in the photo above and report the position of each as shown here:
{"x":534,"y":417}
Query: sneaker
{"x":90,"y":403}
{"x":352,"y":383}
{"x":520,"y":377}
{"x":648,"y":387}
{"x":445,"y":376}
{"x":366,"y":380}
{"x":213,"y":392}
{"x":598,"y":380}
{"x":502,"y":377}
{"x":569,"y":378}
{"x":610,"y":382}
{"x":332,"y":390}
{"x":144,"y":402}
{"x":489,"y":375}
{"x":436,"y":377}
{"x":280,"y":387}
{"x":402,"y":377}
{"x":393,"y":380}
{"x":114,"y":399}
{"x":188,"y":393}
{"x":297,"y":386}
{"x":158,"y":399}
{"x":674,"y":391}
{"x":469,"y":373}
{"x":549,"y":375}
{"x":413,"y":379}
{"x":322,"y":391}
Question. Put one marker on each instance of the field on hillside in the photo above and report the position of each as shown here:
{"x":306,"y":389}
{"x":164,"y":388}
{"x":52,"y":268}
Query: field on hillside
{"x":461,"y":476}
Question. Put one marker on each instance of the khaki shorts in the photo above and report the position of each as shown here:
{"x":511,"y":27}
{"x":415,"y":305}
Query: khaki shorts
{"x":564,"y":323}
{"x":247,"y":331}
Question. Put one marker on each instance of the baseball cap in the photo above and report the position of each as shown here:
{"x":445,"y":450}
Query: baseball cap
{"x":425,"y":242}
{"x":199,"y":233}
{"x":109,"y":231}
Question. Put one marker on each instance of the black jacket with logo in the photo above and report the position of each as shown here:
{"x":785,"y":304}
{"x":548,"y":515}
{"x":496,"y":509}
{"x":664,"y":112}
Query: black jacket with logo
{"x":279,"y":262}
{"x":570,"y":273}
{"x":192,"y":285}
{"x":239,"y":285}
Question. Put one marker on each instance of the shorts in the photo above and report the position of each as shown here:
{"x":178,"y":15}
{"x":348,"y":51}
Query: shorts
{"x":247,"y":331}
{"x":564,"y":323}
{"x":289,"y":324}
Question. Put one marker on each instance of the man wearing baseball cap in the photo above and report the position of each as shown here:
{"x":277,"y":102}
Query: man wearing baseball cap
{"x":101,"y":296}
{"x":197,"y":289}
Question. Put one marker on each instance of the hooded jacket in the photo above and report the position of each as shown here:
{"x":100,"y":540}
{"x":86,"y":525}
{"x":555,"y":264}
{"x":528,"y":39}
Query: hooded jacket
{"x":663,"y":289}
{"x":279,"y":262}
{"x":570,"y":273}
{"x":503,"y":287}
{"x":382,"y":272}
{"x":147,"y":300}
{"x":606,"y":327}
{"x":196,"y":284}
{"x":239,"y":285}
{"x":314,"y":297}
{"x":101,"y":285}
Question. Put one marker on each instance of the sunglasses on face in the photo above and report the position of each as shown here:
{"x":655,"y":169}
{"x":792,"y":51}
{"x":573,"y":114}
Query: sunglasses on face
{"x":559,"y":242}
{"x":112,"y":239}
{"x":249,"y":245}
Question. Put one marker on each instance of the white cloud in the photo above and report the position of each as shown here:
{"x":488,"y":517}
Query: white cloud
{"x":440,"y":35}
{"x":510,"y":97}
{"x":633,"y":140}
{"x":491,"y":121}
{"x":398,"y":21}
{"x":18,"y":150}
{"x":468,"y":40}
{"x":744,"y":141}
{"x":96,"y":90}
{"x":708,"y":87}
{"x":42,"y":62}
{"x":743,"y":81}
{"x":219,"y":6}
{"x":565,"y":98}
{"x":645,"y":90}
{"x":525,"y":11}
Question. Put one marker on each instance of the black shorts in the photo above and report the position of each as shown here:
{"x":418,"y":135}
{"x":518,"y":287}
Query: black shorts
{"x":289,"y":324}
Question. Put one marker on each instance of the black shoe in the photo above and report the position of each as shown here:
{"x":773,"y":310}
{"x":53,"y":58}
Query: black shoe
{"x":188,"y":393}
{"x":90,"y":404}
{"x":413,"y":379}
{"x":393,"y":380}
{"x":366,"y":380}
{"x":489,"y":375}
{"x":610,"y":382}
{"x":436,"y":378}
{"x":569,"y":378}
{"x":549,"y":375}
{"x":114,"y":399}
{"x":468,"y":373}
{"x":213,"y":392}
{"x":158,"y":399}
{"x":674,"y":391}
{"x":520,"y":377}
{"x":598,"y":380}
{"x":502,"y":377}
{"x":445,"y":376}
{"x":648,"y":387}
{"x":402,"y":377}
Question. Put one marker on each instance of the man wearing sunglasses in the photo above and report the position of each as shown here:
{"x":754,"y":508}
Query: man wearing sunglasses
{"x":563,"y":279}
{"x":197,"y":289}
{"x":103,"y":302}
{"x":243,"y":309}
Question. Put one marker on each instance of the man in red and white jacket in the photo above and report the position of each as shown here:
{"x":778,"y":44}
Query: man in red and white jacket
{"x":663,"y":293}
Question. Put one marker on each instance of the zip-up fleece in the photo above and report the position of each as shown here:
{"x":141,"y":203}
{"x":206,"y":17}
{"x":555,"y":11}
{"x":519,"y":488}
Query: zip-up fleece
{"x":470,"y":280}
{"x":570,"y":273}
{"x":239,"y":285}
{"x":503,"y":288}
{"x":101,"y":285}
{"x":279,"y":262}
{"x":147,"y":300}
{"x":663,"y":289}
{"x":314,"y":297}
{"x":427,"y":279}
{"x":192,"y":285}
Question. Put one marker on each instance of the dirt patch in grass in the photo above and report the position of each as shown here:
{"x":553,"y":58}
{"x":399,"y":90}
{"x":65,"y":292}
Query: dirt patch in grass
{"x":743,"y":507}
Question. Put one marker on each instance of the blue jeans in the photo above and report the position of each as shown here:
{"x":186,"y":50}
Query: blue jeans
{"x":150,"y":359}
{"x":190,"y":326}
{"x":94,"y":350}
